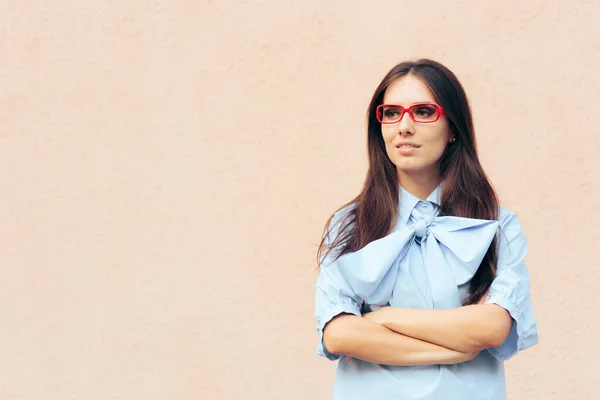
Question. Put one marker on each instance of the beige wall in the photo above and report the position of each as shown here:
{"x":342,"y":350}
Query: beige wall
{"x":167,"y":167}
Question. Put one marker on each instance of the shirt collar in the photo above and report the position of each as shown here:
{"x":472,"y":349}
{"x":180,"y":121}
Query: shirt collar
{"x":408,"y":201}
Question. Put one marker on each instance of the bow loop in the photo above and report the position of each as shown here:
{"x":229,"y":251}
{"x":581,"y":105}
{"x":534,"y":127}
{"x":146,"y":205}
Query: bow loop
{"x":371,"y":271}
{"x":464,"y":242}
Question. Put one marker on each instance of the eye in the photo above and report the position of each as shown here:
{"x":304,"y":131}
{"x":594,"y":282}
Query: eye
{"x":391,"y":113}
{"x":424,"y":111}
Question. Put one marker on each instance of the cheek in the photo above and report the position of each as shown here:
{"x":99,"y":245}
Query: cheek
{"x":388,"y":139}
{"x":387,"y":135}
{"x":437,"y":145}
{"x":440,"y":146}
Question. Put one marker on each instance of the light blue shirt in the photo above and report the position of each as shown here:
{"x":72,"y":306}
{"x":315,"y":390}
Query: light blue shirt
{"x":427,"y":262}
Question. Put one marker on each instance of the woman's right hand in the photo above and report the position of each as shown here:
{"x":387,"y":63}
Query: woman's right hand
{"x":456,"y":357}
{"x":468,"y":357}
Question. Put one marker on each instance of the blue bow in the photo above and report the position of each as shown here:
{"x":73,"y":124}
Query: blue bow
{"x":452,"y":249}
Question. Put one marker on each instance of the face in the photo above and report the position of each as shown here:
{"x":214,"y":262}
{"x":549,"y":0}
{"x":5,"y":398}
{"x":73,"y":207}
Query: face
{"x":413,"y":147}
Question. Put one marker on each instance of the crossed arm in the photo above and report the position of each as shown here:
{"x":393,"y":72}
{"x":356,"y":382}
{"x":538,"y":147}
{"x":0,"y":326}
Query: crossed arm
{"x":407,"y":336}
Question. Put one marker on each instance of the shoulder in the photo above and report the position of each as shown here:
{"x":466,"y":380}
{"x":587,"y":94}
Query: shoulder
{"x":511,"y":236}
{"x":342,"y":213}
{"x":339,"y":221}
{"x":508,"y":219}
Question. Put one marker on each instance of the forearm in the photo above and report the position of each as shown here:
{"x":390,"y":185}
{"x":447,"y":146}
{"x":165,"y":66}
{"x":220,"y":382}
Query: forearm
{"x":359,"y":338}
{"x":465,"y":329}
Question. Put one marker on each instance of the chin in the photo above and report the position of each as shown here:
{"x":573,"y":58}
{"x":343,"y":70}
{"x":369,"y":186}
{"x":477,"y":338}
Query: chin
{"x":409,"y":164}
{"x":414,"y":166}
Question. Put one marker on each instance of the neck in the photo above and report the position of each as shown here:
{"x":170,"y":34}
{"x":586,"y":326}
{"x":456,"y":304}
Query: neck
{"x":420,"y":184}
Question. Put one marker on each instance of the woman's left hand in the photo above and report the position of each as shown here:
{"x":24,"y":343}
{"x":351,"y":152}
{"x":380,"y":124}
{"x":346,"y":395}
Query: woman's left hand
{"x":376,"y":316}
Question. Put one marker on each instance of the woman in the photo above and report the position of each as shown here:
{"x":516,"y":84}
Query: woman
{"x":422,"y":283}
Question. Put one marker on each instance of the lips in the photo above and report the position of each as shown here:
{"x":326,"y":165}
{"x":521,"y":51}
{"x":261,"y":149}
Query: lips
{"x":407,"y":145}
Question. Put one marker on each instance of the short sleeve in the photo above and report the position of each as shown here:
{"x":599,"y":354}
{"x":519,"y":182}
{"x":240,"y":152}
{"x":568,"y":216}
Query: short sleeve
{"x":333,"y":297}
{"x":511,"y":288}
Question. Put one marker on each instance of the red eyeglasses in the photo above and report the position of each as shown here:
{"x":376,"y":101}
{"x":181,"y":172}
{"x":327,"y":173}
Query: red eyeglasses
{"x":421,"y":112}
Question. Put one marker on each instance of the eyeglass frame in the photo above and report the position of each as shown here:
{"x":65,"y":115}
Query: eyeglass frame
{"x":440,"y":112}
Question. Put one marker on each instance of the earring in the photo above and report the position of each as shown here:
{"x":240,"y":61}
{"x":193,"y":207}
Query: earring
{"x":453,"y":139}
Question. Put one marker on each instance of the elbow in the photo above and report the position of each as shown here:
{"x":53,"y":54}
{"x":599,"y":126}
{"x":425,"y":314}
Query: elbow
{"x":497,"y":338}
{"x":333,"y":334}
{"x":495,"y":327}
{"x":495,"y":343}
{"x":484,"y":341}
{"x":472,"y":345}
{"x":330,"y":340}
{"x":497,"y":333}
{"x":491,"y":342}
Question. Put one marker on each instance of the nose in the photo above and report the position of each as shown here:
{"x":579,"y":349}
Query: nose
{"x":405,"y":125}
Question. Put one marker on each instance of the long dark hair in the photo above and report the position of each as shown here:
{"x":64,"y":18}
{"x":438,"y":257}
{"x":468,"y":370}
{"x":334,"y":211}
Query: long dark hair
{"x":467,"y":192}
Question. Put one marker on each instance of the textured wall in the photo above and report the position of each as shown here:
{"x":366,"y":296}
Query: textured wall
{"x":167,"y":167}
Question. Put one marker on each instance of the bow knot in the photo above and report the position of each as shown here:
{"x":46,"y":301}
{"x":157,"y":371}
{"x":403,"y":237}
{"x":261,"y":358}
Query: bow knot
{"x":422,"y":215}
{"x":420,"y":228}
